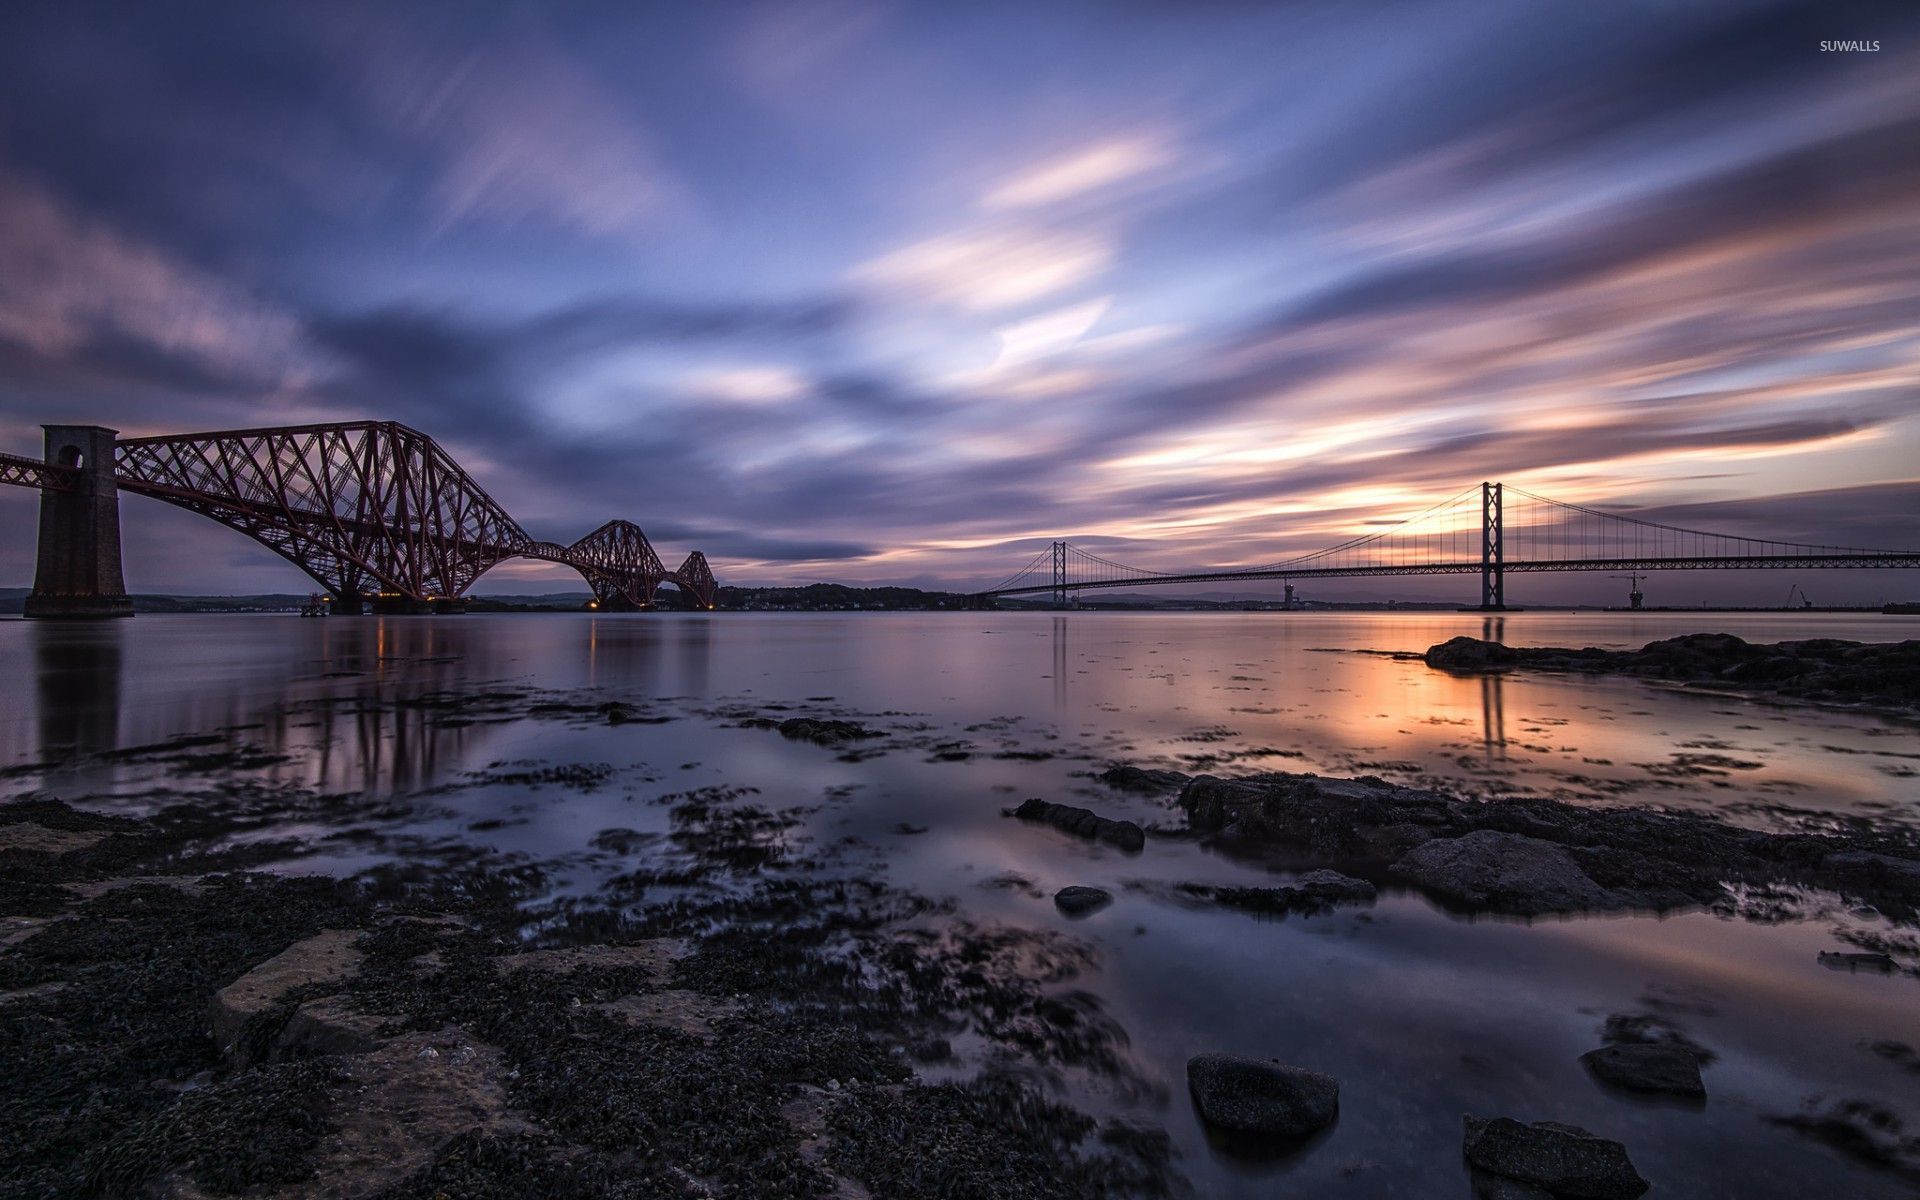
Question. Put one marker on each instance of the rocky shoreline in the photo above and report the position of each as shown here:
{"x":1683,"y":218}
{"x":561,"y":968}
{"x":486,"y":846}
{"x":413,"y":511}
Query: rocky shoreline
{"x":1532,"y":857}
{"x":734,"y":1015}
{"x":1826,"y":670}
{"x":173,"y":1027}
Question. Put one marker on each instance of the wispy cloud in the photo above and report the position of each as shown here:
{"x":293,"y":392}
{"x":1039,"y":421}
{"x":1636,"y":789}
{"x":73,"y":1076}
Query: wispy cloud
{"x":1087,"y":170}
{"x":521,"y":132}
{"x":990,"y":269}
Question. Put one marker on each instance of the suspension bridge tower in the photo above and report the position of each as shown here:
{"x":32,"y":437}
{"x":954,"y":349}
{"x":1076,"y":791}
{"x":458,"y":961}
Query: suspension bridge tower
{"x":1493,"y":580}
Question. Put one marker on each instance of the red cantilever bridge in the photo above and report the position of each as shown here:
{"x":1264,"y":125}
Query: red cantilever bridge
{"x":375,"y":512}
{"x":1487,"y":530}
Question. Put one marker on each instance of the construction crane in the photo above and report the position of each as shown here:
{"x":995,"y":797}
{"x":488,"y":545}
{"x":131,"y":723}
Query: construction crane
{"x":1806,"y":601}
{"x":1634,"y":595}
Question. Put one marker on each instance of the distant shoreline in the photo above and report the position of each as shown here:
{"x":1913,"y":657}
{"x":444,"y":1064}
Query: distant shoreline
{"x":844,"y":598}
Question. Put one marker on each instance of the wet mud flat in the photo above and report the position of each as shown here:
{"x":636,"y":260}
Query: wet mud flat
{"x":736,"y":1009}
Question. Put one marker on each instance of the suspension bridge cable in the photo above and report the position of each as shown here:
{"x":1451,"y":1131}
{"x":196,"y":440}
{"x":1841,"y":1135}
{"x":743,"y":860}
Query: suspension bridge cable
{"x":1010,"y":580}
{"x":1679,"y":529}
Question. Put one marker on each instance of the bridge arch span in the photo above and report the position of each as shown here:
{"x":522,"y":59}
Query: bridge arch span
{"x":367,"y":509}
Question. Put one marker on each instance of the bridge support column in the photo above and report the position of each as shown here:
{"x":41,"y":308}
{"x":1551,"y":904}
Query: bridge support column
{"x":1493,"y":583}
{"x":1059,"y":574}
{"x":77,"y":569}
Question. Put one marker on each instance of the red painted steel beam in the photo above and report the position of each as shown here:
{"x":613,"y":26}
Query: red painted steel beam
{"x":364,"y":507}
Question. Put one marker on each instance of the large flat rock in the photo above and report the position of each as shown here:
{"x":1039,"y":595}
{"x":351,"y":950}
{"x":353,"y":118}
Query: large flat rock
{"x":38,"y":839}
{"x":327,"y":957}
{"x":1563,"y":1159}
{"x":1510,"y":872}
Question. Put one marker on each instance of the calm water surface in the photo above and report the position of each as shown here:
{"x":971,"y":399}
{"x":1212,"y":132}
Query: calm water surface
{"x":1422,"y":1015}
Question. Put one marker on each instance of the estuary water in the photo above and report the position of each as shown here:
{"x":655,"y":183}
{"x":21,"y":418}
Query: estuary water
{"x":1423,"y":1015}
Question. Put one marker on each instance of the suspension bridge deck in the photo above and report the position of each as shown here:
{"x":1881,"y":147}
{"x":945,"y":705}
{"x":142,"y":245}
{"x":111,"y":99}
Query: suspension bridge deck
{"x":1478,"y":531}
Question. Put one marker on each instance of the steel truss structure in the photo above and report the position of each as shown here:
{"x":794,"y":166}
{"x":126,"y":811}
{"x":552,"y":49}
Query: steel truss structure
{"x":31,"y":472}
{"x":370,"y":510}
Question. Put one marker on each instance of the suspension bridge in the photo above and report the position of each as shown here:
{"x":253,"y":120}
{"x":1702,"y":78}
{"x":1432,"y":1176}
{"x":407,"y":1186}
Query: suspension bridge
{"x":1489,"y":530}
{"x":378,"y":514}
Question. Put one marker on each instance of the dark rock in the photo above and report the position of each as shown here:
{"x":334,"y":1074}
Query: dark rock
{"x":1469,"y":654}
{"x":329,"y":1025}
{"x":1083,"y":822}
{"x":1319,"y":817}
{"x":1507,"y":871}
{"x":1648,"y":1067}
{"x":1078,"y":901}
{"x":822,"y":732}
{"x":1564,"y":1159}
{"x":1313,"y":892}
{"x":1261,"y":1099}
{"x":1142,"y":779}
{"x":1859,"y":960}
{"x":1818,"y":669}
{"x":1488,"y":1186}
{"x":1629,"y":858}
{"x":1865,"y":867}
{"x":1331,"y":887}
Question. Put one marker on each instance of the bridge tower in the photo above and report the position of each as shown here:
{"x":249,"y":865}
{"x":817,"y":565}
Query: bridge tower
{"x":1493,"y":584}
{"x":77,"y":569}
{"x":1059,"y":574}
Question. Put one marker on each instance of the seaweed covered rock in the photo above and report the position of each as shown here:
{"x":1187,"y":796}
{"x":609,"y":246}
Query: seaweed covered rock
{"x":1469,"y":654}
{"x":1083,"y":822}
{"x":1886,"y":673}
{"x":1533,"y":856}
{"x":823,"y":732}
{"x":1311,"y":893}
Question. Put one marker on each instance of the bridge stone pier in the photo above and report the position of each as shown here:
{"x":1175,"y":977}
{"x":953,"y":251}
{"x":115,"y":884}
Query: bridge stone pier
{"x":77,"y":573}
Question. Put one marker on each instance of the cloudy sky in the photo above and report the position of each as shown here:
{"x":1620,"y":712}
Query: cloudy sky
{"x":896,"y":292}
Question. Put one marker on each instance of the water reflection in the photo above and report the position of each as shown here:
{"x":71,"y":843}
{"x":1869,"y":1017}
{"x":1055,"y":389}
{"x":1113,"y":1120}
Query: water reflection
{"x":1493,"y":716}
{"x":694,"y":639}
{"x":1059,"y":662}
{"x":341,"y":699}
{"x":1493,"y":708}
{"x":77,"y":684}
